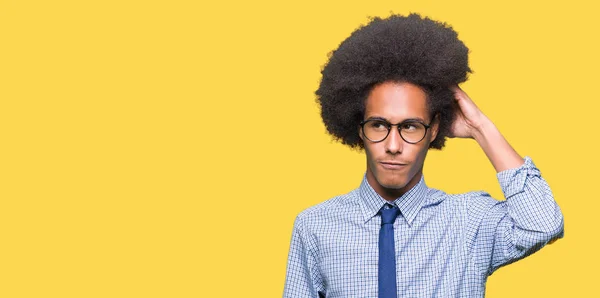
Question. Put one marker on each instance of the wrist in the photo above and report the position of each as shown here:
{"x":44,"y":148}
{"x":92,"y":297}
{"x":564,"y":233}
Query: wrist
{"x":485,"y":129}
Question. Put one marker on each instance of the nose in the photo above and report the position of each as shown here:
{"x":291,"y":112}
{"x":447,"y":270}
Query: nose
{"x":394,"y":142}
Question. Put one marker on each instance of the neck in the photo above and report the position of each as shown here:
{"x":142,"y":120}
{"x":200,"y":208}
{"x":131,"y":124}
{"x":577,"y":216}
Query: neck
{"x":391,"y":194}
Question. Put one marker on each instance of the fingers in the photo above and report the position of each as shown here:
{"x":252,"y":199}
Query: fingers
{"x":460,"y":94}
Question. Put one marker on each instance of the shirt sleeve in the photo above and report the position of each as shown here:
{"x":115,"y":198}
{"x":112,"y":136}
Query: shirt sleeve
{"x":529,"y":218}
{"x":302,"y":276}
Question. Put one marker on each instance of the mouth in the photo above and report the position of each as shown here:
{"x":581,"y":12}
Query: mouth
{"x":392,"y":165}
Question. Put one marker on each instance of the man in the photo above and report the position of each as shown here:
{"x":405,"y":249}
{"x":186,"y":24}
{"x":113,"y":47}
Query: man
{"x":391,"y":89}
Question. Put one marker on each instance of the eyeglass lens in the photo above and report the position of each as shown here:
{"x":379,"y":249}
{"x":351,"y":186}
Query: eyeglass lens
{"x":377,"y":130}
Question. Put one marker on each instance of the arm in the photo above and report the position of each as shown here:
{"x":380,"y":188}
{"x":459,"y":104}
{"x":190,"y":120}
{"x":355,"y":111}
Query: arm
{"x":507,"y":231}
{"x":302,"y":278}
{"x":529,"y":218}
{"x":472,"y":123}
{"x":500,"y":153}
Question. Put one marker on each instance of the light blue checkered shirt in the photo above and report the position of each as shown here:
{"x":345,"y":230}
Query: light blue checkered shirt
{"x":446,"y":244}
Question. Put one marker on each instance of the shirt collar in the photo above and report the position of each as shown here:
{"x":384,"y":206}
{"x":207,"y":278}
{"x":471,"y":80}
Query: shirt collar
{"x":409,"y":203}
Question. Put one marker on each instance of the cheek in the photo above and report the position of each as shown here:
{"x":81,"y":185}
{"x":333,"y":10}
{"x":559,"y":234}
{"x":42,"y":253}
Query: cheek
{"x":419,"y":159}
{"x":371,"y":153}
{"x":416,"y":155}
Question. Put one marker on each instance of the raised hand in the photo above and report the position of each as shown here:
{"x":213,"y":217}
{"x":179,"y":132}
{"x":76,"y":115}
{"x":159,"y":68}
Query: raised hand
{"x":469,"y":118}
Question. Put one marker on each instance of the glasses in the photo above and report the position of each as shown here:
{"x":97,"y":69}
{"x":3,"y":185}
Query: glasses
{"x":411,"y":131}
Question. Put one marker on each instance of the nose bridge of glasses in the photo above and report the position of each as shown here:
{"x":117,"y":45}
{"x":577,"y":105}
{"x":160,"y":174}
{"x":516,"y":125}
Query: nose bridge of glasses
{"x":396,"y":135}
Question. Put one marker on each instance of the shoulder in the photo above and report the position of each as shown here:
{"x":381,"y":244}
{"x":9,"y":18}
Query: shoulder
{"x":472,"y":200}
{"x":471,"y":206}
{"x":323,"y":210}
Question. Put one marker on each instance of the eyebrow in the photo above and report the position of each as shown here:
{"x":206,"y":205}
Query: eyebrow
{"x":408,"y":119}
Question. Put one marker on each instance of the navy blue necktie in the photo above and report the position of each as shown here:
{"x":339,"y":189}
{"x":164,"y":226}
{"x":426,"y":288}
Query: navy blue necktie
{"x":387,"y":254}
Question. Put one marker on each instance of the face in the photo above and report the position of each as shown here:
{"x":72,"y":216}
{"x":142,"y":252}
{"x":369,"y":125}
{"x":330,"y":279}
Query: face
{"x":396,"y":102}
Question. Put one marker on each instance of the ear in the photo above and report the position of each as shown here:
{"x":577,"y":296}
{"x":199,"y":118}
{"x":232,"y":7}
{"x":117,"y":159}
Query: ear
{"x":435,"y":126}
{"x":360,"y":135}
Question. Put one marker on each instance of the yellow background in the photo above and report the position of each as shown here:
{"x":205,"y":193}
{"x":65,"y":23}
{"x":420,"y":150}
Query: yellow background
{"x":164,"y":148}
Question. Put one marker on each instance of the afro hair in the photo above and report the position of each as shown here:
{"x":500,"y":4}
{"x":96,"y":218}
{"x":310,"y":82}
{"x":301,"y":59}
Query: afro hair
{"x":399,"y":48}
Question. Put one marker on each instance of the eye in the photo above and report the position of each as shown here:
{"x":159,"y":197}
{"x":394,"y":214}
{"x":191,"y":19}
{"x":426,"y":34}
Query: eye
{"x":378,"y":125}
{"x":408,"y":126}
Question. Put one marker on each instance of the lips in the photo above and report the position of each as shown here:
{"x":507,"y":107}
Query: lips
{"x":392,"y":165}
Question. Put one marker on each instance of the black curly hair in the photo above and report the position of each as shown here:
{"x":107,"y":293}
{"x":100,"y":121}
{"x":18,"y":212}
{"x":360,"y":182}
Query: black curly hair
{"x":399,"y":48}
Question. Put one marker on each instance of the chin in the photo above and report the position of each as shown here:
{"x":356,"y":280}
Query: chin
{"x":396,"y":183}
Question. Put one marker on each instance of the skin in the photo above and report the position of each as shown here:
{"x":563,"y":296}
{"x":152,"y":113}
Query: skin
{"x":396,"y":102}
{"x":471,"y":123}
{"x":399,"y":101}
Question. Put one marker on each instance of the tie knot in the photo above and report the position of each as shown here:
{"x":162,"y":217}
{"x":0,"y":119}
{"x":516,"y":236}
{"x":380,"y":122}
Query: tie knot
{"x":388,"y":216}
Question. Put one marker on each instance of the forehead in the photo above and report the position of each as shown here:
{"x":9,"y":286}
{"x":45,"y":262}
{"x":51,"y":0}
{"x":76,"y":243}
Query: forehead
{"x":396,"y":102}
